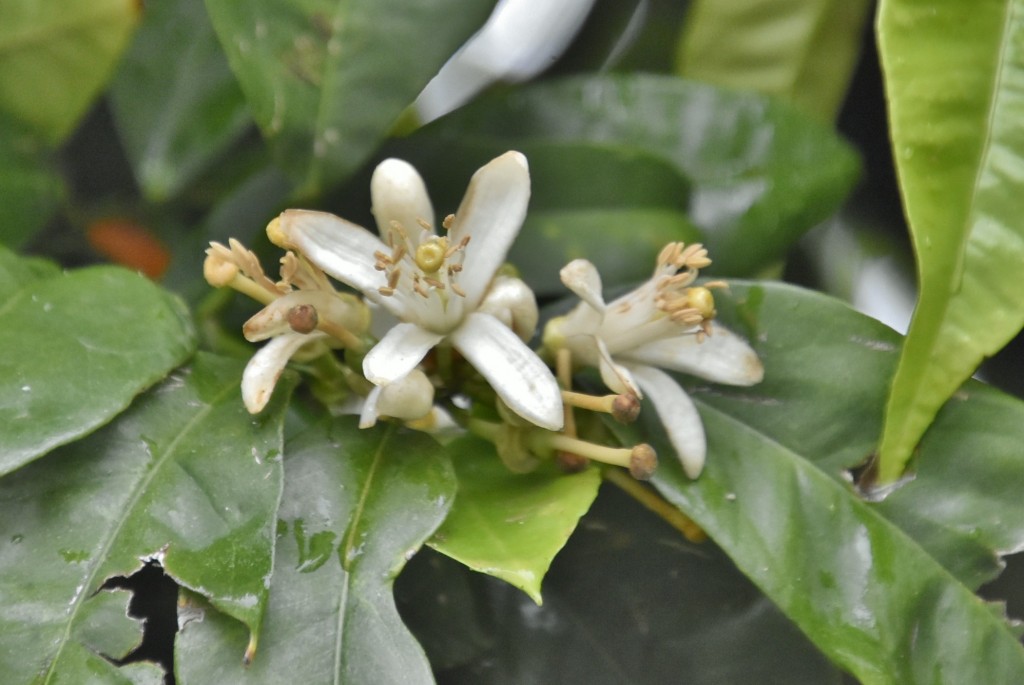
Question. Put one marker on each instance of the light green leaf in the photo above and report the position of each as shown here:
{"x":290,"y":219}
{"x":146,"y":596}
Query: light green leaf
{"x":326,"y":80}
{"x":760,"y":173}
{"x":77,"y":348}
{"x":186,"y":477}
{"x":803,"y":51}
{"x":511,"y":525}
{"x":175,"y":100}
{"x":773,"y":496}
{"x":55,"y":56}
{"x":357,"y":504}
{"x":953,"y":75}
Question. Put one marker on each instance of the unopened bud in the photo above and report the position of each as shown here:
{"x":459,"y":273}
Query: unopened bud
{"x":302,"y":318}
{"x":218,"y":271}
{"x":643,"y":461}
{"x":625,"y":408}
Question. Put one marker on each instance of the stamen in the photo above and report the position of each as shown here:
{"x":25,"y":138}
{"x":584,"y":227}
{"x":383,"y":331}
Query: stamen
{"x":393,"y":278}
{"x":424,"y":224}
{"x":457,"y":290}
{"x":434,"y":282}
{"x":385,"y":291}
{"x":448,"y":221}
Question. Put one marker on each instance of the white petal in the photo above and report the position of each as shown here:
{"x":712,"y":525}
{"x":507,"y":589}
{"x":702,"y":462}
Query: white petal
{"x":678,"y":415}
{"x":582,"y":277}
{"x":368,"y":415}
{"x":615,"y":376}
{"x":512,"y":302}
{"x":265,"y":367}
{"x":519,"y":40}
{"x":515,"y":372}
{"x":723,"y":357}
{"x":398,"y":353}
{"x":398,"y":194}
{"x":341,"y":248}
{"x":273,"y":319}
{"x":491,"y":213}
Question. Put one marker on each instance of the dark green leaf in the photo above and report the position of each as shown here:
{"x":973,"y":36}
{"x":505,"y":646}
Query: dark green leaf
{"x":627,"y":602}
{"x":77,"y":348}
{"x":803,"y":51}
{"x":56,"y":55}
{"x":867,"y":594}
{"x":176,"y":102}
{"x":953,"y":74}
{"x":357,"y":504}
{"x":511,"y":525}
{"x":761,"y":173}
{"x":326,"y":80}
{"x":186,"y":477}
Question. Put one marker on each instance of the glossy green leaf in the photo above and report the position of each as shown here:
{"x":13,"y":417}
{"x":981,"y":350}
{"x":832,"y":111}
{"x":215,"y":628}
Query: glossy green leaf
{"x":968,"y":520}
{"x":760,"y":173}
{"x":870,"y":596}
{"x":186,"y":477}
{"x":56,"y":55}
{"x":965,"y":488}
{"x":803,"y":51}
{"x":622,"y":243}
{"x":357,"y":504}
{"x":326,"y":80}
{"x":511,"y":525}
{"x":627,"y":602}
{"x":953,"y":76}
{"x":175,"y":99}
{"x":77,"y":348}
{"x":31,"y":188}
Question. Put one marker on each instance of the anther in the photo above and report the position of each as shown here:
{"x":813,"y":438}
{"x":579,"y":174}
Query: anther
{"x":448,"y":221}
{"x":385,"y":291}
{"x":625,"y":408}
{"x":433,"y":282}
{"x":643,"y":461}
{"x":393,"y":278}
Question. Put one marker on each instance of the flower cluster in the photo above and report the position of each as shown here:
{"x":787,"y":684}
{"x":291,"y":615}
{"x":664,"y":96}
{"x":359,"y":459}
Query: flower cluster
{"x":432,"y":308}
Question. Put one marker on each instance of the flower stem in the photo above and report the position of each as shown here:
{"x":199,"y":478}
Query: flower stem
{"x":656,"y":504}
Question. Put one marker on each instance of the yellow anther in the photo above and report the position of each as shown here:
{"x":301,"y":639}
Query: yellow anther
{"x":431,"y":254}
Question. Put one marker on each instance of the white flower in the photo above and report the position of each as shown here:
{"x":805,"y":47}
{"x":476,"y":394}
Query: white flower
{"x":663,"y":323}
{"x":438,"y":287}
{"x":306,"y":319}
{"x":520,"y":39}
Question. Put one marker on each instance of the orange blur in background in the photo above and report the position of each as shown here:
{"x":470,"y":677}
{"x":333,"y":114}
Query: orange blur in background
{"x":129,"y":244}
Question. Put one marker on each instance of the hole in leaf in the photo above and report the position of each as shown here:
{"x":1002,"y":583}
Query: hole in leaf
{"x":154,"y":602}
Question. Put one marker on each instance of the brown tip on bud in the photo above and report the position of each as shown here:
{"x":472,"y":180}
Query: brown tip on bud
{"x":569,"y":462}
{"x":217,"y":271}
{"x":643,"y":461}
{"x":303,"y":318}
{"x":625,"y":408}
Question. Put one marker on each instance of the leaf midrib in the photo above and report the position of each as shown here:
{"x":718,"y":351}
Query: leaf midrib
{"x":128,"y":509}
